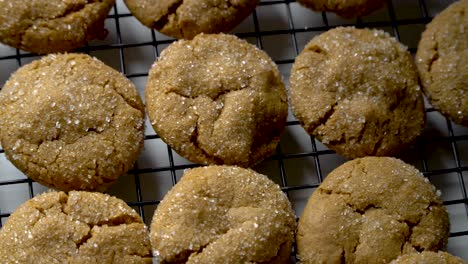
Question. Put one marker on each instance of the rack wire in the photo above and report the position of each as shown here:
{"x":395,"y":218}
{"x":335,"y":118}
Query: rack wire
{"x":281,"y":28}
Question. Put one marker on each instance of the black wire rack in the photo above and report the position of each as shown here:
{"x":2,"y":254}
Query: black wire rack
{"x":281,"y":28}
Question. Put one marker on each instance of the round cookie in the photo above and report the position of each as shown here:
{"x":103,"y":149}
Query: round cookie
{"x":217,"y":99}
{"x":357,"y":91}
{"x":71,"y":122}
{"x":47,"y":26}
{"x":344,"y":8}
{"x":80,"y":227}
{"x":442,"y":60}
{"x":187,"y":18}
{"x":223,"y":214}
{"x":371,"y":210}
{"x":428,"y":257}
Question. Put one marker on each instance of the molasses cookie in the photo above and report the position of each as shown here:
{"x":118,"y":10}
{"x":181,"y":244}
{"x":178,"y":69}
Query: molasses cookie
{"x":344,"y":8}
{"x":80,"y":227}
{"x":47,"y":26}
{"x":217,"y":99}
{"x":442,"y":60}
{"x":371,"y":210}
{"x":223,"y":214}
{"x":187,"y":18}
{"x":71,"y":122}
{"x":428,"y":257}
{"x":357,"y":91}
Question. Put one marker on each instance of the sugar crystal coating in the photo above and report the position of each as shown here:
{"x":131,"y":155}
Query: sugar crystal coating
{"x":71,"y":122}
{"x":357,"y":91}
{"x":371,"y":210}
{"x":223,"y":214}
{"x":442,"y":60}
{"x":428,"y":257}
{"x":80,"y":227}
{"x":217,"y":100}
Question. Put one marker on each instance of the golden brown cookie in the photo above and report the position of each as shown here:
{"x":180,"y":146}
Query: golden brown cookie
{"x":371,"y":210}
{"x":217,"y":99}
{"x":187,"y":18}
{"x":428,"y":257}
{"x":442,"y":60}
{"x":344,"y":8}
{"x":80,"y":227}
{"x":223,"y":214}
{"x":47,"y":26}
{"x":357,"y":91}
{"x":71,"y":122}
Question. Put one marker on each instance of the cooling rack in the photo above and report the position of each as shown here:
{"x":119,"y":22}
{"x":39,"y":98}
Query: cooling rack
{"x":281,"y":28}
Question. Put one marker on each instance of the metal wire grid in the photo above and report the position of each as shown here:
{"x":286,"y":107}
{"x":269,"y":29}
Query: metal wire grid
{"x":420,"y":155}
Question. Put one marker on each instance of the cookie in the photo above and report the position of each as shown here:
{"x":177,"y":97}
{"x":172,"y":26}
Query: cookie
{"x":44,"y":26}
{"x":217,"y":99}
{"x":356,"y":90}
{"x":371,"y":210}
{"x":344,"y":8}
{"x":187,"y":18}
{"x":70,"y":122}
{"x":428,"y":257}
{"x":81,"y":227}
{"x":223,"y":214}
{"x":442,"y":60}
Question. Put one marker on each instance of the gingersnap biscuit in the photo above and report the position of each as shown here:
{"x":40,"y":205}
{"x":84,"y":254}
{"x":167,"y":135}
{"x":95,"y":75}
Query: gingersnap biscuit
{"x":344,"y":8}
{"x":356,"y":90}
{"x":217,"y":99}
{"x":428,"y":257}
{"x":71,"y":122}
{"x":81,"y":227}
{"x":223,"y":214}
{"x":187,"y":18}
{"x":371,"y":210}
{"x":47,"y":26}
{"x":442,"y":60}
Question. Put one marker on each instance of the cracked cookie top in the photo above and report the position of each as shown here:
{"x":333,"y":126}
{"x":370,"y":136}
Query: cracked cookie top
{"x":71,"y":122}
{"x":217,"y":99}
{"x":47,"y":26}
{"x":223,"y":214}
{"x":357,"y":91}
{"x":428,"y":257}
{"x":344,"y":8}
{"x":187,"y":18}
{"x":81,"y":227}
{"x":442,"y":60}
{"x":371,"y":210}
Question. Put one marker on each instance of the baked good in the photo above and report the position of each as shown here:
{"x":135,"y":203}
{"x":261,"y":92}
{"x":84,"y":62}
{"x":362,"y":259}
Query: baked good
{"x":371,"y":210}
{"x":80,"y":227}
{"x":428,"y":257}
{"x":442,"y":60}
{"x":223,"y":214}
{"x":344,"y":8}
{"x":187,"y":18}
{"x":70,"y":122}
{"x":217,"y":99}
{"x":356,"y":90}
{"x":47,"y":26}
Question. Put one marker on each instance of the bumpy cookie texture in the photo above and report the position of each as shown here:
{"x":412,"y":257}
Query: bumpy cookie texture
{"x":357,"y":91}
{"x":217,"y":100}
{"x":442,"y":60}
{"x":344,"y":8}
{"x":47,"y":26}
{"x":71,"y":122}
{"x":187,"y":18}
{"x":371,"y":210}
{"x":223,"y":214}
{"x":428,"y":257}
{"x":80,"y":227}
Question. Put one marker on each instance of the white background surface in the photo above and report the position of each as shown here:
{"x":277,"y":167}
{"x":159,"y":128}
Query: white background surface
{"x":284,"y":28}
